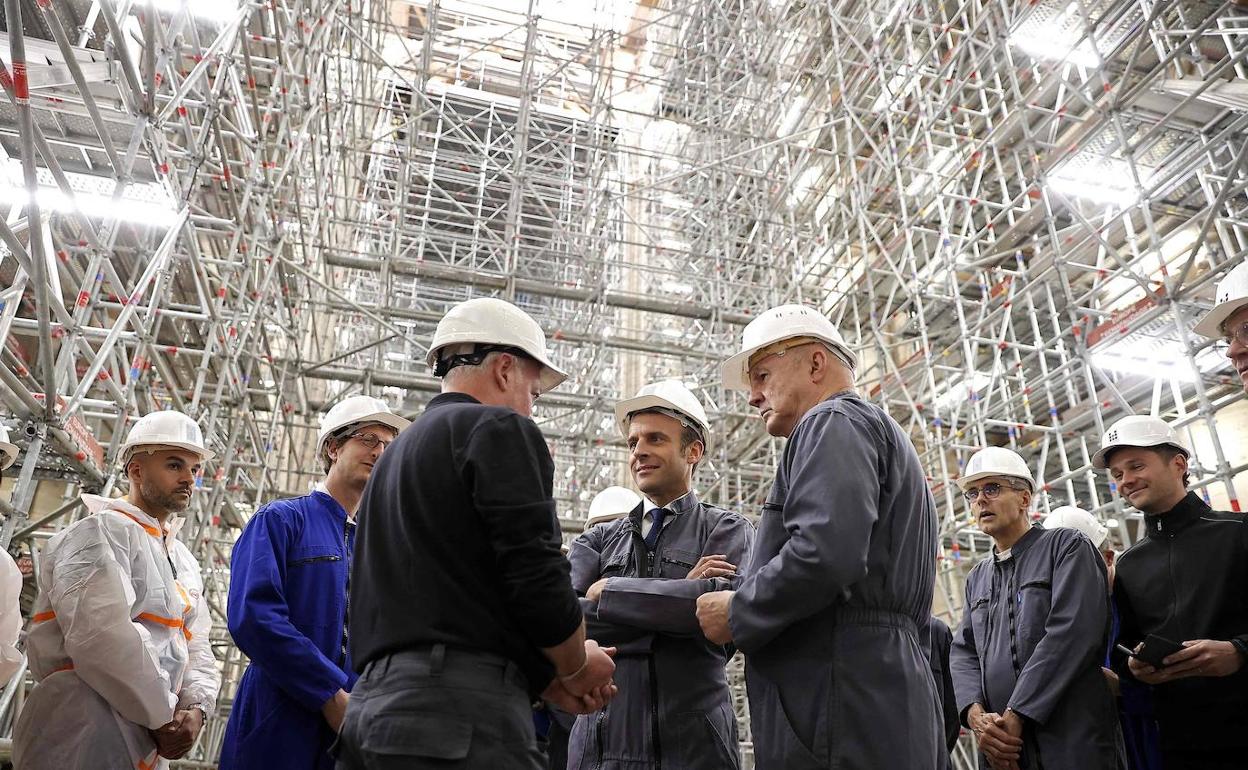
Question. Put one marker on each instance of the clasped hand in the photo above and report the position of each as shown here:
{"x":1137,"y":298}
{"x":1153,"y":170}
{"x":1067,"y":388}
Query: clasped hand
{"x":590,"y":688}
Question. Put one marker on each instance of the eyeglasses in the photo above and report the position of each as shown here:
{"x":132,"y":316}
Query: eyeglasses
{"x":370,"y":440}
{"x":991,"y":491}
{"x":1231,"y":336}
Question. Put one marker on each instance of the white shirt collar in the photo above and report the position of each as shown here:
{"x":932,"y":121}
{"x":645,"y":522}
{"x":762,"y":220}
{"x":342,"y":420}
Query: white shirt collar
{"x":672,"y":508}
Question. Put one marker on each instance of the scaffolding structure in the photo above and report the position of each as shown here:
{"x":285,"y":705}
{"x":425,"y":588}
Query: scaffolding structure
{"x":248,"y":211}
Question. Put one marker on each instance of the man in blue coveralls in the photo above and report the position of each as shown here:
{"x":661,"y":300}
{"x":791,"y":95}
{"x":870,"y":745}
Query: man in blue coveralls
{"x":288,"y":608}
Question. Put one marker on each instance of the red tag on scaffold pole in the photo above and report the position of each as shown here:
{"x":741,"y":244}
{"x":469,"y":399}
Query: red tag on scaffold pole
{"x":21,"y":86}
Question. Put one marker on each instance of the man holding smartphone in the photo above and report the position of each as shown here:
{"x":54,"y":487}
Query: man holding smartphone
{"x":1182,"y":584}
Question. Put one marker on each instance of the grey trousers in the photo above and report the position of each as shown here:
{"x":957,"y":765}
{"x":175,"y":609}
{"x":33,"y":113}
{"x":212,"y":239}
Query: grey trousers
{"x":439,"y":708}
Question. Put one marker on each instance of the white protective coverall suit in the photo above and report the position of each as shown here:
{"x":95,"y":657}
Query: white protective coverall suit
{"x":10,"y":617}
{"x":118,"y":641}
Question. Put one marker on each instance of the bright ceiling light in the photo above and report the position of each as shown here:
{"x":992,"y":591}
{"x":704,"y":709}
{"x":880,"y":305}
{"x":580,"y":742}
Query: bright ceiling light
{"x":1104,"y":181}
{"x":939,"y":167}
{"x":957,"y":392}
{"x":1048,"y":44}
{"x":676,"y":287}
{"x":1058,"y":39}
{"x":142,"y":202}
{"x":614,"y":16}
{"x":803,"y":185}
{"x":1156,"y":358}
{"x":208,"y":10}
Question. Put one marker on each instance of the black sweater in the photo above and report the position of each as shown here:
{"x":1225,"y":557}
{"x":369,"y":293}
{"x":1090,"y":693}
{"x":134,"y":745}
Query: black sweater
{"x":459,"y":542}
{"x":1188,"y":580}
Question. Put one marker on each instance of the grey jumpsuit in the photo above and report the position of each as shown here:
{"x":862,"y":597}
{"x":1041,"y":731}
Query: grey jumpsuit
{"x":673,"y":709}
{"x":834,"y":610}
{"x":1032,"y":637}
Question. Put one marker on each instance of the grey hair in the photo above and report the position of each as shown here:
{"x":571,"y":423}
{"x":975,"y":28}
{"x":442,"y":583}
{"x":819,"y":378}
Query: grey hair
{"x":464,"y":370}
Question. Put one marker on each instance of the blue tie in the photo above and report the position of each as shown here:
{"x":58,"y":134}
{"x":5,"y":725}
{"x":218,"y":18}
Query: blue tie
{"x":656,"y":526}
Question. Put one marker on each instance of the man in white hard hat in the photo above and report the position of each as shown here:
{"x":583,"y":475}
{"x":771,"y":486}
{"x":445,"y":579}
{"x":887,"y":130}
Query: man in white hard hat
{"x":1140,"y":744}
{"x":641,"y":576}
{"x":1074,"y":517}
{"x":10,"y":585}
{"x":462,"y":611}
{"x":610,"y":504}
{"x":289,"y":576}
{"x":1182,"y":582}
{"x":119,"y":643}
{"x":1026,"y":658}
{"x":1229,"y":319}
{"x":833,"y":612}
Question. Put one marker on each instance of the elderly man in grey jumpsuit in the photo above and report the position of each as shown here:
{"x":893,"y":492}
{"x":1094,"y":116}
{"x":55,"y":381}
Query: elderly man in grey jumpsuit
{"x":1026,"y":660}
{"x":833,"y":611}
{"x":641,"y":576}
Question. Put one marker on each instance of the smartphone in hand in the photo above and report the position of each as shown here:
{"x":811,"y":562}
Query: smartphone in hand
{"x":1154,"y":651}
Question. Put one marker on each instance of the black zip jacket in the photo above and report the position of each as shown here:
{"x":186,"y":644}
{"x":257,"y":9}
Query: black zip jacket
{"x":1188,"y":580}
{"x":459,"y":544}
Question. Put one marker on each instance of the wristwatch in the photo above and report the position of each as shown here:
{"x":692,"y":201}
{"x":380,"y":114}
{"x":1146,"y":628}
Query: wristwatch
{"x":1241,"y":647}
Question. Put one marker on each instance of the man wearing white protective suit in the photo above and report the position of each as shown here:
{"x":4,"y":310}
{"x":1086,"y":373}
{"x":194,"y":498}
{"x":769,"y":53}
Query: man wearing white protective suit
{"x":10,"y":587}
{"x":119,"y":637}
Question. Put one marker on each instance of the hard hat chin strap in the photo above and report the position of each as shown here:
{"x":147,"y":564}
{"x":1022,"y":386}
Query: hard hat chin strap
{"x":474,"y":357}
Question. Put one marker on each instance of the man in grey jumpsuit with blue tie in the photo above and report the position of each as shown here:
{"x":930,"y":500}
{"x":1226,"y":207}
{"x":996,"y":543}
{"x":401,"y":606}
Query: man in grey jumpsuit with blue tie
{"x":640,"y":577}
{"x":833,"y":611}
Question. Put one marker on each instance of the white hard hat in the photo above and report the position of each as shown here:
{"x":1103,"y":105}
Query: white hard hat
{"x":168,"y":428}
{"x":1232,"y":295}
{"x":1137,"y":430}
{"x":1070,"y":517}
{"x":777,"y":324}
{"x":670,"y":397}
{"x":610,"y":504}
{"x":996,"y":461}
{"x":489,"y":321}
{"x":8,"y":451}
{"x":356,"y":410}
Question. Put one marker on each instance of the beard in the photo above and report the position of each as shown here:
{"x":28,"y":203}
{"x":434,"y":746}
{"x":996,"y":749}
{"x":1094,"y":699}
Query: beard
{"x":170,"y":501}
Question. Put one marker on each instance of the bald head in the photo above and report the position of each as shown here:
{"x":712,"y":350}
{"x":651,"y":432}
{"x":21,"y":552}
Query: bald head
{"x":162,"y":481}
{"x":786,"y":382}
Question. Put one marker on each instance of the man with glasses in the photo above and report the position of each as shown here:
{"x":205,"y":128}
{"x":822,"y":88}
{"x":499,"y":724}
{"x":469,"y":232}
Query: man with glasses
{"x":1026,"y":658}
{"x":288,"y":605}
{"x":1229,"y":320}
{"x":1182,"y":582}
